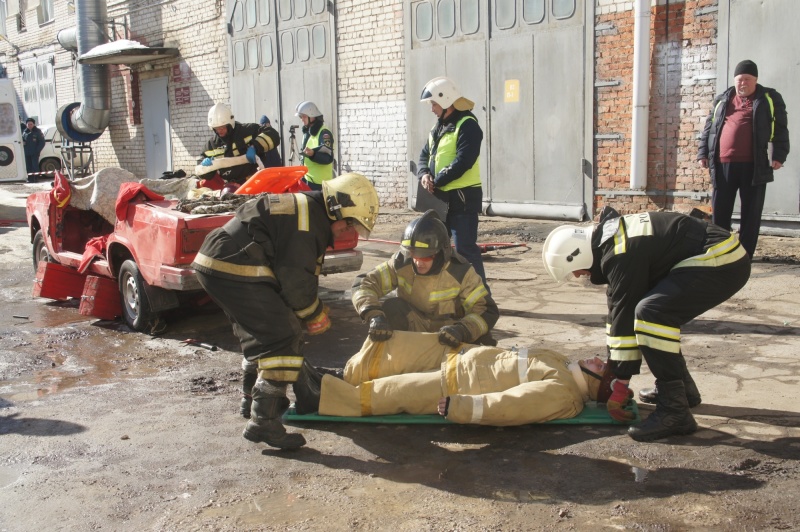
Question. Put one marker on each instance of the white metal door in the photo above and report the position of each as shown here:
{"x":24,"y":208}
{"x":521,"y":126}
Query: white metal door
{"x":765,"y":32}
{"x":12,"y":155}
{"x":155,"y":117}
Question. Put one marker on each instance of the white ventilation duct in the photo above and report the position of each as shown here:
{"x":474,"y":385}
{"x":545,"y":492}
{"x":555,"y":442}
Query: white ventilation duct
{"x":87,"y":119}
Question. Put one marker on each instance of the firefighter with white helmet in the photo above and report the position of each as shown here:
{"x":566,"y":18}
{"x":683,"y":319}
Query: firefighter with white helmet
{"x":662,"y":269}
{"x":233,"y":139}
{"x":262,"y":269}
{"x":317,"y":150}
{"x":449,"y":165}
{"x":437,"y":290}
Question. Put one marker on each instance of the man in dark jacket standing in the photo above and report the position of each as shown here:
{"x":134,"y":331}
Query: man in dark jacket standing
{"x":744,"y":141}
{"x":262,"y":268}
{"x":449,"y":165}
{"x":33,"y":139}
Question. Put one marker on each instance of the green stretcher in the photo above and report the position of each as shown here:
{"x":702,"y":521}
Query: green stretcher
{"x":592,"y":414}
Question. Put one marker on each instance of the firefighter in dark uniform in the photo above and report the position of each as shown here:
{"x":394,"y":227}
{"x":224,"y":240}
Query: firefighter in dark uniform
{"x":662,"y":269}
{"x":318,"y":145}
{"x":437,"y":290}
{"x":232,"y":139}
{"x":262,"y":269}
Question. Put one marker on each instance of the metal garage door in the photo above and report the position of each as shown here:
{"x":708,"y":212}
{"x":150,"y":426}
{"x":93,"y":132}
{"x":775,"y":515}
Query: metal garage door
{"x":766,"y":33}
{"x":282,"y":53}
{"x":527,"y":65}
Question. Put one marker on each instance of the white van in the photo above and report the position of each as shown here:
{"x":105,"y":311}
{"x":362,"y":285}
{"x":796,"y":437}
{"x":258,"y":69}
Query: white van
{"x":12,"y":154}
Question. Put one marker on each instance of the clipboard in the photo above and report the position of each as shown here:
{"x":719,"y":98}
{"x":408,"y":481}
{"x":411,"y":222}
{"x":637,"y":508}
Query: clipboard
{"x":425,"y":201}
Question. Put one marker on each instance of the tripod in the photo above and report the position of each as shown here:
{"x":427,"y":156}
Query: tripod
{"x":293,"y":151}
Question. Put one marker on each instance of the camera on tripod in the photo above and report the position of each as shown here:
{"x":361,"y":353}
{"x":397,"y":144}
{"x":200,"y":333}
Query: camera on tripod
{"x":292,"y":129}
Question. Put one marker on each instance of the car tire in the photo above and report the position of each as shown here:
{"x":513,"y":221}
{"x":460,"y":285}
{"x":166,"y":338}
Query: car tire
{"x":135,"y":306}
{"x":40,"y":252}
{"x":49,"y":165}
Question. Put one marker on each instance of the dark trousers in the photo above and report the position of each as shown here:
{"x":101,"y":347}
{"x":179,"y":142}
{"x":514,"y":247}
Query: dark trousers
{"x":730,"y":179}
{"x":32,"y":162}
{"x":265,"y":326}
{"x":680,"y":297}
{"x":464,"y":231}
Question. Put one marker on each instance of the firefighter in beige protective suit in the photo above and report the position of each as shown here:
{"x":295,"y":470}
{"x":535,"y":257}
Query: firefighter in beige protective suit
{"x":437,"y":290}
{"x":413,"y":373}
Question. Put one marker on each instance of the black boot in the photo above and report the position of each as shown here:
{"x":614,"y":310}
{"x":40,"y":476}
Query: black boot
{"x":671,"y":417}
{"x":269,"y":404}
{"x":307,"y":389}
{"x":648,"y":395}
{"x":248,"y":381}
{"x":487,"y":339}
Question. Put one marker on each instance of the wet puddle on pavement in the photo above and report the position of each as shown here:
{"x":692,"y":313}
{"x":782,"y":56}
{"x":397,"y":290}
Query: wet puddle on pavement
{"x":274,"y":509}
{"x":71,"y":354}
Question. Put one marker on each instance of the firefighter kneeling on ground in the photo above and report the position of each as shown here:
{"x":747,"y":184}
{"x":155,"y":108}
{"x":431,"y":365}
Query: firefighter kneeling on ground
{"x":663,"y":269}
{"x":262,"y":268}
{"x":437,"y":290}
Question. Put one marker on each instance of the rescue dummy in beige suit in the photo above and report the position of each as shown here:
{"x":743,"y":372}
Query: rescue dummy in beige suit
{"x":410,"y":372}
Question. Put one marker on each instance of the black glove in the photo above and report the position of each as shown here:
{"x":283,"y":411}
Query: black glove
{"x":453,"y":335}
{"x":379,"y":329}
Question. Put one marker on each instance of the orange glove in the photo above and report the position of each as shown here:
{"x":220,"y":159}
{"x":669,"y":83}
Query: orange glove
{"x":621,"y":396}
{"x":320,"y":323}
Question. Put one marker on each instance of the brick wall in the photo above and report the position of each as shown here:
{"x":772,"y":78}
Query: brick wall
{"x":682,"y":78}
{"x":371,"y":73}
{"x":195,"y":27}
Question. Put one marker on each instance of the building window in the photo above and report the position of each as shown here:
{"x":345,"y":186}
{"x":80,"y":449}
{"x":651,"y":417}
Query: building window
{"x":533,"y":11}
{"x":446,"y":18}
{"x":266,"y":51}
{"x":563,"y":8}
{"x":470,"y":18}
{"x":424,"y":21}
{"x":505,"y":14}
{"x":318,"y":41}
{"x":45,"y":11}
{"x":303,"y":45}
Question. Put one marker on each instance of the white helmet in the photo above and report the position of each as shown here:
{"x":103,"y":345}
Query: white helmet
{"x":444,"y":92}
{"x":220,"y":115}
{"x":307,"y":108}
{"x":567,"y":249}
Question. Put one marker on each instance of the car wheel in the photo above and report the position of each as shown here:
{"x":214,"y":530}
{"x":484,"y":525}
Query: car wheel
{"x":49,"y":165}
{"x":135,"y":305}
{"x":40,"y":252}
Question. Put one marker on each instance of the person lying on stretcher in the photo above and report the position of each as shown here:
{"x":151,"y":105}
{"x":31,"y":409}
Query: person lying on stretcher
{"x":413,"y":373}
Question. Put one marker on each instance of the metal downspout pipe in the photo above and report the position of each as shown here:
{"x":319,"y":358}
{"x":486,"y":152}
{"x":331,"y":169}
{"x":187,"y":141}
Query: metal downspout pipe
{"x":87,"y":119}
{"x":641,"y":94}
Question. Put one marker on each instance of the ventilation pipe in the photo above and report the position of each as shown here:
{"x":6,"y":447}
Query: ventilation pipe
{"x":641,"y":94}
{"x":87,"y":119}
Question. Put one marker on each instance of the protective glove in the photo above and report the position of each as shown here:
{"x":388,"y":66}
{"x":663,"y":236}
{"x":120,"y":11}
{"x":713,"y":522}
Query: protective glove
{"x":379,"y":329}
{"x":208,"y":161}
{"x":453,"y":335}
{"x":251,"y":155}
{"x":320,"y":323}
{"x":621,"y":395}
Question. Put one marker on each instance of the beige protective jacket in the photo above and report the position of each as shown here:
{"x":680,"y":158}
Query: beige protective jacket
{"x":486,"y":385}
{"x":455,"y":295}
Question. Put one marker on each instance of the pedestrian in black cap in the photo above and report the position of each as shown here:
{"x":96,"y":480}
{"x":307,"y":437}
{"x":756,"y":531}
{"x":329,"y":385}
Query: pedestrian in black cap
{"x":33,"y":140}
{"x":744,"y":141}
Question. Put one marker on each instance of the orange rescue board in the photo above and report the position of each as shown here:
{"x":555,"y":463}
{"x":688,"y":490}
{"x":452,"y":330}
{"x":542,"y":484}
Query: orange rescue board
{"x":276,"y":180}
